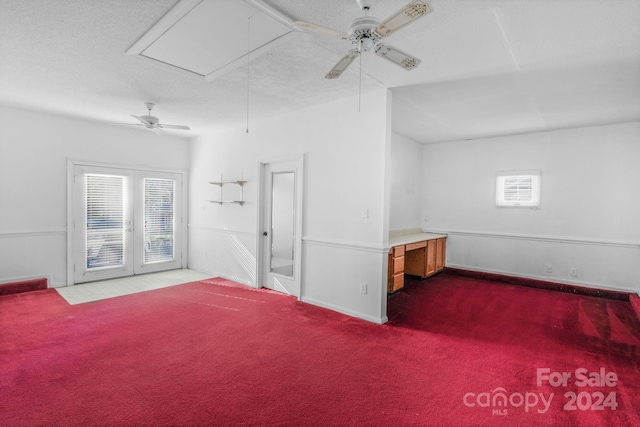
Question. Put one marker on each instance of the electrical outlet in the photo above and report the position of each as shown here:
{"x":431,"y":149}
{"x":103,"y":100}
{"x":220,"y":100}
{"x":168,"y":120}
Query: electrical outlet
{"x":363,"y":288}
{"x":548,"y":268}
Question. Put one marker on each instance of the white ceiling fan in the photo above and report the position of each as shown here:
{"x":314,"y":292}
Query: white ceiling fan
{"x":368,"y":32}
{"x":153,"y":123}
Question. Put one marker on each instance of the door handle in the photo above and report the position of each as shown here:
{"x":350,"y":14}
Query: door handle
{"x":264,"y":233}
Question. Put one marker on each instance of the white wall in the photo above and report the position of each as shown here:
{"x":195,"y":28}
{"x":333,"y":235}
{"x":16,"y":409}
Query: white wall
{"x":34,"y":148}
{"x":589,"y":213}
{"x":406,"y":183}
{"x":346,"y":155}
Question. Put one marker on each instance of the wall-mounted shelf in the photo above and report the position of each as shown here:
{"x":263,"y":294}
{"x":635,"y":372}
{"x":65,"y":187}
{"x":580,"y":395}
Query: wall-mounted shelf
{"x":220,"y":202}
{"x":221,"y":183}
{"x":240,"y":182}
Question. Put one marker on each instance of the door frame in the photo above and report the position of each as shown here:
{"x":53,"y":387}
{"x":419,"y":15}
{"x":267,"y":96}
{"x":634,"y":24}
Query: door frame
{"x":182,"y":224}
{"x":298,"y":159}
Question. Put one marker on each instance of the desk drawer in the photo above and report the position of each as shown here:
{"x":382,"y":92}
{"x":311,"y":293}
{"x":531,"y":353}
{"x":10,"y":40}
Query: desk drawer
{"x":418,"y":245}
{"x":398,"y":265}
{"x":398,"y":251}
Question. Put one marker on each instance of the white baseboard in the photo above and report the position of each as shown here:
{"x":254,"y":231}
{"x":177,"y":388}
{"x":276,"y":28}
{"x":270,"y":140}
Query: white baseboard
{"x":351,"y":313}
{"x":543,"y":278}
{"x":58,"y":284}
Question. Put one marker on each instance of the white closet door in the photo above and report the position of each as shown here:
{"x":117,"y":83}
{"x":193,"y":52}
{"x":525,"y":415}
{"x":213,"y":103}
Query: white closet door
{"x":281,"y":226}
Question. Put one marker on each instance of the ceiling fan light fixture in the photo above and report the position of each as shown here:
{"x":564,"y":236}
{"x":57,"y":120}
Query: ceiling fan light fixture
{"x":367,"y":32}
{"x":153,"y":123}
{"x":153,"y":120}
{"x":366,"y":45}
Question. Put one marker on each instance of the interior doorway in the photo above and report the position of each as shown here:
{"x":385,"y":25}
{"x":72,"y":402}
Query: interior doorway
{"x":280,"y":229}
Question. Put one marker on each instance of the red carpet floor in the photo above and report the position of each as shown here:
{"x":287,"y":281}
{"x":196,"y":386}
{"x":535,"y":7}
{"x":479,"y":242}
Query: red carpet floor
{"x":215,"y":353}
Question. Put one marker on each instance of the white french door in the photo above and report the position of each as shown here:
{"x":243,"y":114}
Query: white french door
{"x":125,"y":222}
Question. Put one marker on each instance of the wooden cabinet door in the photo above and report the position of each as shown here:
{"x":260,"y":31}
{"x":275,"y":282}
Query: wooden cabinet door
{"x":395,"y":275}
{"x":390,"y":273}
{"x":440,"y":254}
{"x":431,"y":258}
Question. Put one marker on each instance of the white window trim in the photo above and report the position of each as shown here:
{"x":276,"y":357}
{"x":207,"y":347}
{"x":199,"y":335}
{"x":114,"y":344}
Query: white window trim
{"x":532,"y":203}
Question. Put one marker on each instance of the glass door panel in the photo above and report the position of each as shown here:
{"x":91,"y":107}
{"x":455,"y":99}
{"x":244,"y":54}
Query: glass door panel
{"x":105,"y":198}
{"x":282,"y":223}
{"x":159,"y":220}
{"x":103,"y":225}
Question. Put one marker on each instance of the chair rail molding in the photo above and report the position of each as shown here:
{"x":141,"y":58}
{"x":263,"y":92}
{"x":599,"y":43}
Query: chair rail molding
{"x":41,"y":233}
{"x":342,"y":244}
{"x":541,"y":238}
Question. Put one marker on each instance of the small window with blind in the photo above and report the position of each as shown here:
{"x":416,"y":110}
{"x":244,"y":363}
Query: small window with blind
{"x":518,"y":189}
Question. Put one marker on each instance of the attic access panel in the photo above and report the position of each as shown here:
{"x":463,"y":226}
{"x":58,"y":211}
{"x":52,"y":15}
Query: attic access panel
{"x":210,"y":37}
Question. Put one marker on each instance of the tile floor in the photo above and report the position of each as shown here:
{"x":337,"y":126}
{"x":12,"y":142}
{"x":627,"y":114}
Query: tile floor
{"x":96,"y":291}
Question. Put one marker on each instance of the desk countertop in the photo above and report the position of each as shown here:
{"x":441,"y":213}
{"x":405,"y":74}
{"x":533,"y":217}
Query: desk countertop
{"x":403,"y":239}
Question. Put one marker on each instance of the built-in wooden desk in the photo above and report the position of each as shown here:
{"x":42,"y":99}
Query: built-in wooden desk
{"x":416,"y":254}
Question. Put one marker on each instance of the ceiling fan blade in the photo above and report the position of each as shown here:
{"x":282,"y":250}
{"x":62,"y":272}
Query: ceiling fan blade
{"x":174,"y":127}
{"x":307,"y":26}
{"x":405,"y":16}
{"x":126,"y":124}
{"x":397,"y":56}
{"x":342,"y":65}
{"x":143,"y":121}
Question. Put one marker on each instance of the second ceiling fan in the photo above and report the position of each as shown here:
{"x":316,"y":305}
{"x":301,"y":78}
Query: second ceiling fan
{"x":368,"y":32}
{"x":153,"y":123}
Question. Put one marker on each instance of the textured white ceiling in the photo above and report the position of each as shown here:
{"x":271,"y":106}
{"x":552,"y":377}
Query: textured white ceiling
{"x":490,"y":67}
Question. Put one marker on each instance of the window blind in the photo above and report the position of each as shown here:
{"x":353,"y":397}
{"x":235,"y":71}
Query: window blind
{"x":105,"y":207}
{"x":518,"y":189}
{"x":159,"y":220}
